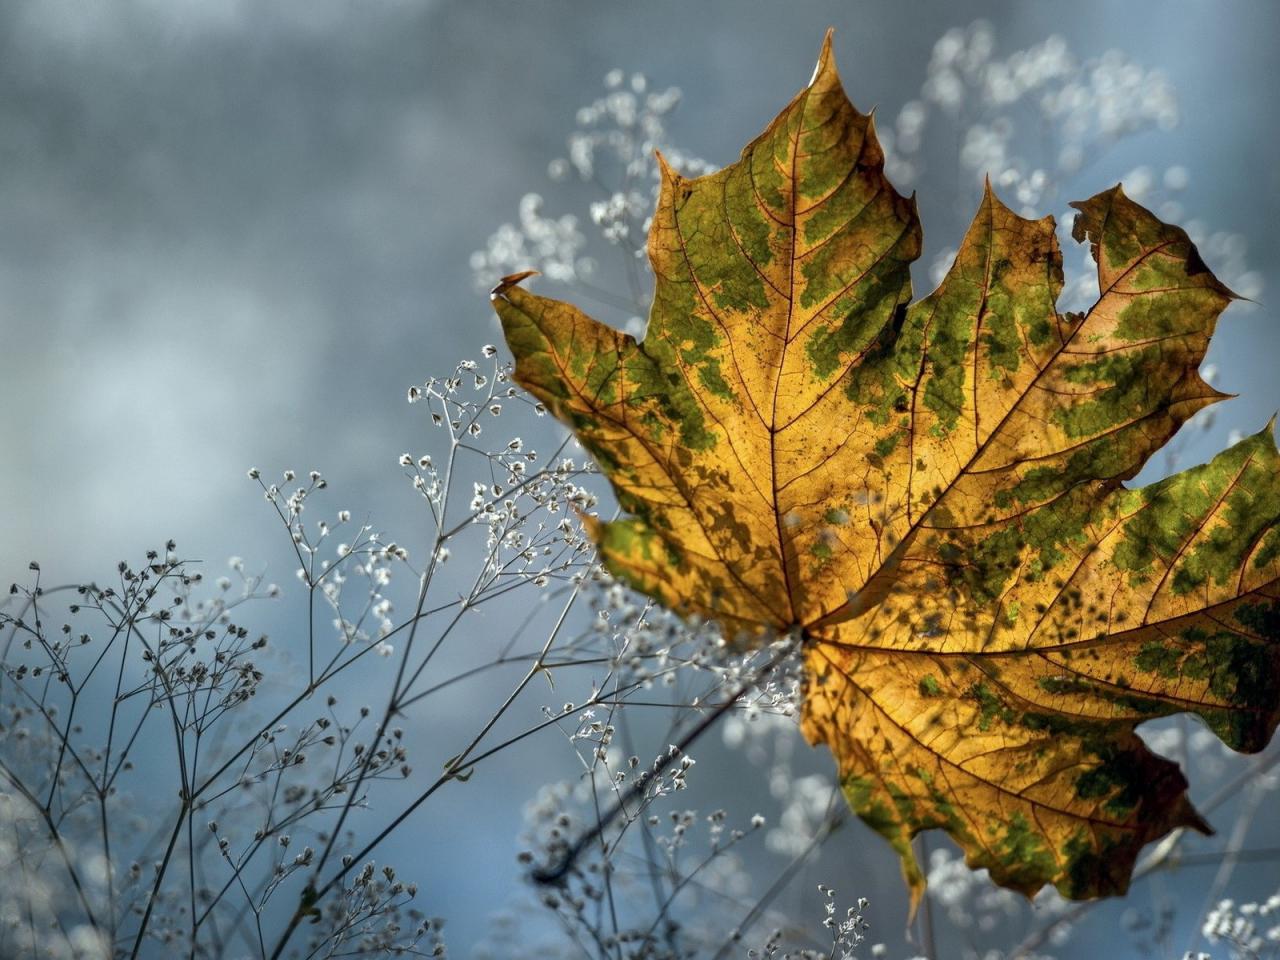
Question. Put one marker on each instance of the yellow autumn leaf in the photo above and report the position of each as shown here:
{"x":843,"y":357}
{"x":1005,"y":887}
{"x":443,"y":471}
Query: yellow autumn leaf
{"x":930,"y":495}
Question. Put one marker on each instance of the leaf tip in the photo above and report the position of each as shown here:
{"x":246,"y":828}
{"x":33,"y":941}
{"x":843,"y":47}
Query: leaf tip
{"x":916,"y":884}
{"x":991,"y":203}
{"x":1092,"y":213}
{"x":991,"y":200}
{"x":509,"y":281}
{"x":665,"y":170}
{"x":1192,"y":819}
{"x":1269,"y":431}
{"x":826,"y":59}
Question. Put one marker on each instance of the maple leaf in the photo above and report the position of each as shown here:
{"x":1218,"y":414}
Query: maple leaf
{"x":931,"y":494}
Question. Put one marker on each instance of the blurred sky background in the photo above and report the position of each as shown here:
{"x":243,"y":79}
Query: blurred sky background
{"x":233,"y":233}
